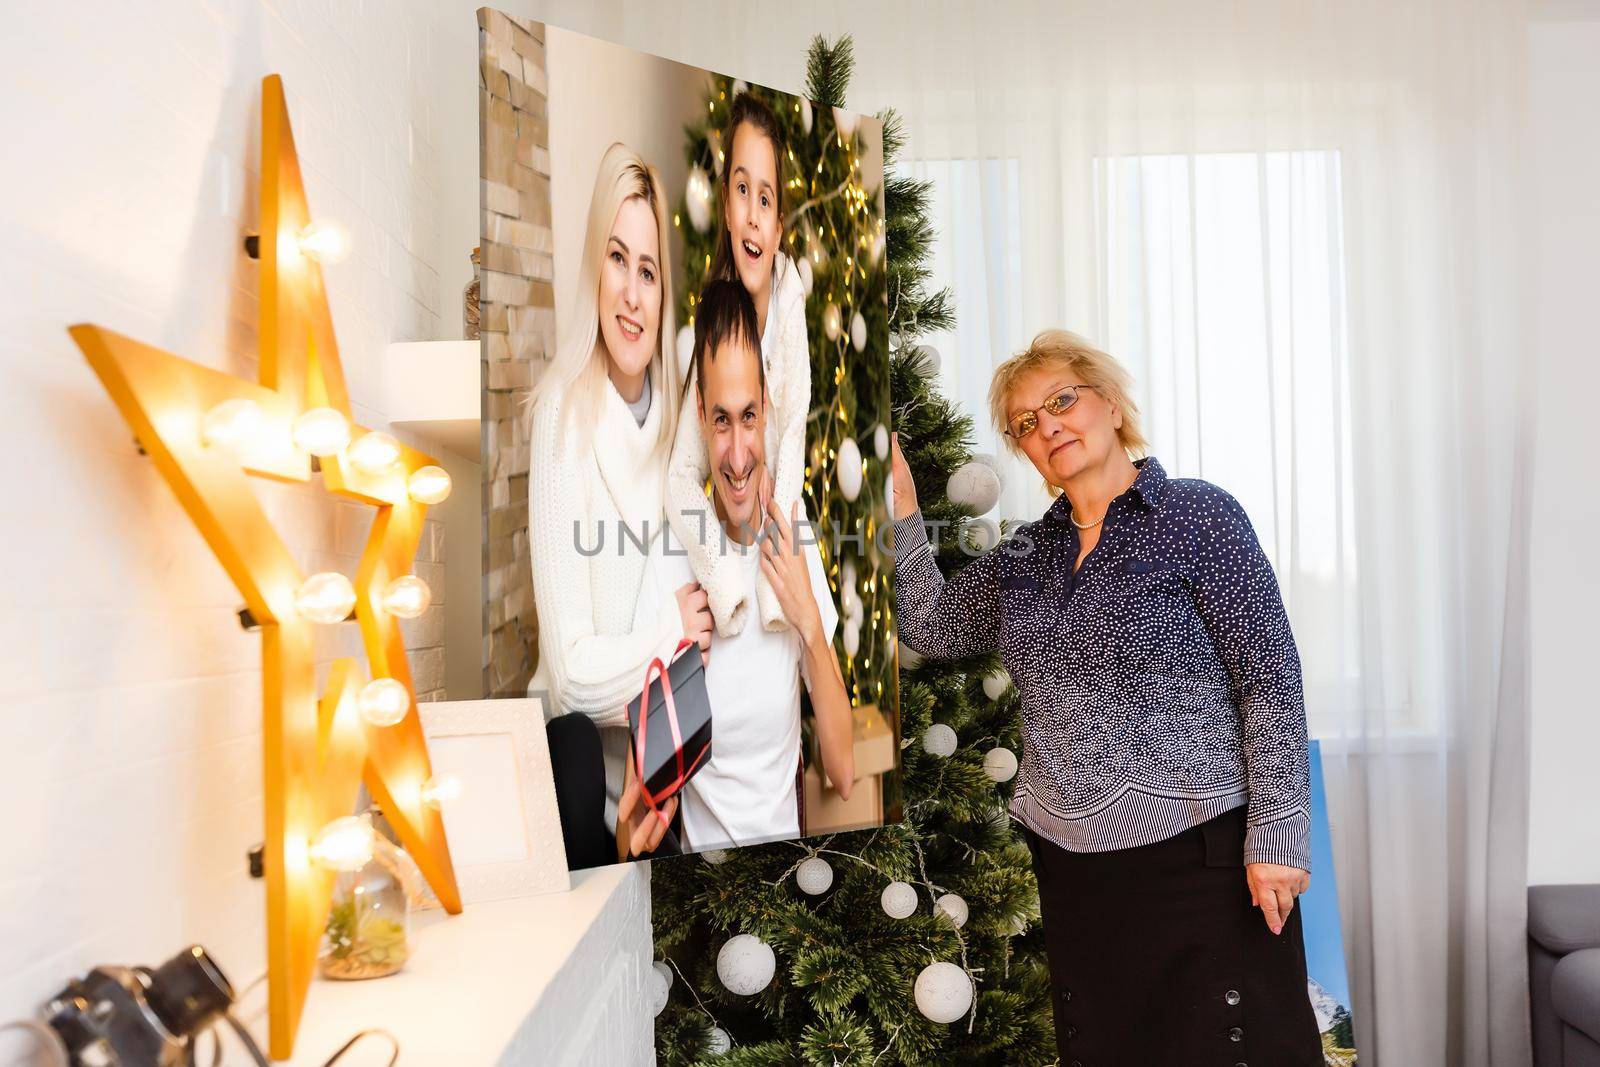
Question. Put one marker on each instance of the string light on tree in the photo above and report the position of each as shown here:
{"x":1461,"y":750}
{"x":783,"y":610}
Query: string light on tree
{"x":953,"y":908}
{"x":814,"y":876}
{"x":943,"y":992}
{"x":939,"y":740}
{"x":1000,"y":764}
{"x":745,"y":964}
{"x":899,"y":900}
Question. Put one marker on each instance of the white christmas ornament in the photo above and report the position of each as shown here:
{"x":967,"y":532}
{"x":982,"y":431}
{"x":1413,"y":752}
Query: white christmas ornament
{"x":982,"y":534}
{"x":805,"y":115}
{"x":698,"y":195}
{"x":848,"y":596}
{"x":660,"y":984}
{"x":943,"y":992}
{"x":995,"y":684}
{"x":718,"y":1041}
{"x":849,"y":468}
{"x":832,"y":321}
{"x":929,"y":357}
{"x":685,"y":351}
{"x":939,"y":740}
{"x":852,"y":636}
{"x":745,"y":964}
{"x":858,"y":331}
{"x":899,"y":900}
{"x":878,"y":247}
{"x":992,"y":461}
{"x":974,"y":485}
{"x":1000,"y":764}
{"x":953,"y":908}
{"x":739,"y":86}
{"x":814,"y":876}
{"x":880,"y":441}
{"x":846,"y":121}
{"x":808,"y":277}
{"x":714,"y":856}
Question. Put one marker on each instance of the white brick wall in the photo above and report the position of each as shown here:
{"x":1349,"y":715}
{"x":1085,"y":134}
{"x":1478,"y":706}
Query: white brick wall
{"x":130,"y":754}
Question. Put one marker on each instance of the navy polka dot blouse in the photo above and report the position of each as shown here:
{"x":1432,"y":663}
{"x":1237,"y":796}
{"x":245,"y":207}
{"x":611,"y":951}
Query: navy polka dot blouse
{"x":1160,"y":683}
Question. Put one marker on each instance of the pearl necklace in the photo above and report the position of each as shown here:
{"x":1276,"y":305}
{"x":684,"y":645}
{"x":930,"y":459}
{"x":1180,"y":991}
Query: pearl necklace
{"x":1083,"y":525}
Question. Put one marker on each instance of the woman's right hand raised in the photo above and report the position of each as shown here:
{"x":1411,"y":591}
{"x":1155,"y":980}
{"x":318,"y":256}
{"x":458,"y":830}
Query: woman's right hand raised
{"x":905,"y":489}
{"x":695,"y":611}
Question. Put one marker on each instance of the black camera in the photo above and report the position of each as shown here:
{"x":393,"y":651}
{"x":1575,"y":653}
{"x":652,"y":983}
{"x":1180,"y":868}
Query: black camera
{"x":138,"y":1017}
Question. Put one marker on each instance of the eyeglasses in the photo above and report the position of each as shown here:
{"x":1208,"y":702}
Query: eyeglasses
{"x":1023,"y":423}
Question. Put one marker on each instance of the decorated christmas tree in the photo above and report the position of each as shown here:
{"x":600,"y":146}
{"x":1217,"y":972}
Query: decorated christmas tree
{"x":916,"y":942}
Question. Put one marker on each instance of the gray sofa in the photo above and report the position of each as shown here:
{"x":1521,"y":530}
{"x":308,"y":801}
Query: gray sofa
{"x":1564,"y":974}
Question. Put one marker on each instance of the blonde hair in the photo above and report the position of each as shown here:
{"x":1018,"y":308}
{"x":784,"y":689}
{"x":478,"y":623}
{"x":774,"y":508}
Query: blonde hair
{"x":576,"y":376}
{"x":1064,"y":350}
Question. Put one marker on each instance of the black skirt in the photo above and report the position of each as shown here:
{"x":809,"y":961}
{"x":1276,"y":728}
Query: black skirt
{"x":1157,"y":957}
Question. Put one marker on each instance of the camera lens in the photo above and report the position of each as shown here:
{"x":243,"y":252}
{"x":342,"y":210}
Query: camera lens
{"x":189,"y":991}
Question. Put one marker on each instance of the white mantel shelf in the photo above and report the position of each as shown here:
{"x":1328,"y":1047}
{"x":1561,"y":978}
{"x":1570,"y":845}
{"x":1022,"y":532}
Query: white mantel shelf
{"x":548,"y":980}
{"x":433,"y":389}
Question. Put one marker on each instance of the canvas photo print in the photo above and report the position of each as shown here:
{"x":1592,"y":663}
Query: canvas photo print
{"x":686,"y":378}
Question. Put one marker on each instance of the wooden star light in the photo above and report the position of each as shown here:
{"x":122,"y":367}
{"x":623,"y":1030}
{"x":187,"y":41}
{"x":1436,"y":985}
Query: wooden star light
{"x":207,"y":432}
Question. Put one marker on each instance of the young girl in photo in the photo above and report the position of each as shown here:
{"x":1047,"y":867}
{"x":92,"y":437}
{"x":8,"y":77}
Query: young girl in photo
{"x":750,"y":232}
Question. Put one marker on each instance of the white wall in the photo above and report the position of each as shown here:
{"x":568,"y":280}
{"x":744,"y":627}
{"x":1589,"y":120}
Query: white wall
{"x":130,"y":736}
{"x":1564,"y":60}
{"x":600,"y":93}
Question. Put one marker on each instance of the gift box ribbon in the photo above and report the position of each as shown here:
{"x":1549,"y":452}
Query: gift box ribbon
{"x":656,"y":669}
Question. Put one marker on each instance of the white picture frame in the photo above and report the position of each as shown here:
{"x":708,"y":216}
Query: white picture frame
{"x":504,"y":829}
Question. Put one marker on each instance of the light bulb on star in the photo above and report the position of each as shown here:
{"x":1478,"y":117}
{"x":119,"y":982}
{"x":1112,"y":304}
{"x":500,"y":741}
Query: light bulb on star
{"x":345,"y":844}
{"x":325,"y":242}
{"x":321,"y":432}
{"x":232,"y":424}
{"x":440,"y":790}
{"x":429,"y":485}
{"x":406,"y":597}
{"x":373,"y":452}
{"x":326,"y":597}
{"x":384,"y":701}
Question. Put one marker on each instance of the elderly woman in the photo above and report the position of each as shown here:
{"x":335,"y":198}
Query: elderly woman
{"x":1164,"y":785}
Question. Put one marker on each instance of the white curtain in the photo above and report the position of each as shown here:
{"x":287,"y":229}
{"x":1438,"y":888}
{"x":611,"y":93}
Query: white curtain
{"x":1296,"y":222}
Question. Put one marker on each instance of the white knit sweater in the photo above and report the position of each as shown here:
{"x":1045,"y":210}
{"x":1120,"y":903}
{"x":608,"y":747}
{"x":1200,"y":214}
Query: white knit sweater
{"x":591,"y":659}
{"x":787,"y":356}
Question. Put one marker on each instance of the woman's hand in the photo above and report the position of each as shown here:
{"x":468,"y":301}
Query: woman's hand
{"x":1273,"y":888}
{"x":695,"y":611}
{"x":905,"y":489}
{"x":785,"y":567}
{"x":639,"y":830}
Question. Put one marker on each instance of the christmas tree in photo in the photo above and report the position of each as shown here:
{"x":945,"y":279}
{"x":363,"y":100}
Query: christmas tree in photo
{"x":915,"y":942}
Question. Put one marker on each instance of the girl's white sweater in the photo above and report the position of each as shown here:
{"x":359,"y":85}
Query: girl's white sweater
{"x":591,"y":658}
{"x":787,"y":357}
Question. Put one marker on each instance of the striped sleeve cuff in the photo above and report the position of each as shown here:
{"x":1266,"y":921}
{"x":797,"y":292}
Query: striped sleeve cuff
{"x":910,"y":537}
{"x":1285,"y":840}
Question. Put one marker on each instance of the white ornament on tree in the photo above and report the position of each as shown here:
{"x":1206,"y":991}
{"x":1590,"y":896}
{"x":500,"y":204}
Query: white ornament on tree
{"x":943,"y":992}
{"x":805,"y":114}
{"x":832,"y":321}
{"x":849,"y":469}
{"x":975,"y":485}
{"x":939,"y":740}
{"x":1000,"y":764}
{"x":928,"y":356}
{"x":660,"y":984}
{"x":992,"y":461}
{"x":996,"y":682}
{"x":685,"y":351}
{"x":718,"y":1041}
{"x":899,"y":900}
{"x":982,"y":534}
{"x":953,"y":908}
{"x":852,"y":636}
{"x":814,"y":875}
{"x":739,"y":86}
{"x":714,"y":856}
{"x":808,"y":277}
{"x":846,"y":122}
{"x":697,"y":194}
{"x":880,"y":442}
{"x":858,"y":331}
{"x":745,"y":964}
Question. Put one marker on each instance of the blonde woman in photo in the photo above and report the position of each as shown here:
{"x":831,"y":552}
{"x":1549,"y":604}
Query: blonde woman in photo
{"x":602,"y":423}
